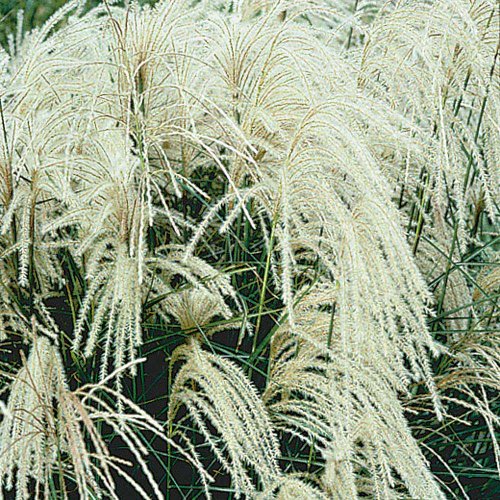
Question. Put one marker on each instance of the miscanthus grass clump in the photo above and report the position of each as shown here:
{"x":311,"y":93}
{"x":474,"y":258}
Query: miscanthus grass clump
{"x":248,"y":250}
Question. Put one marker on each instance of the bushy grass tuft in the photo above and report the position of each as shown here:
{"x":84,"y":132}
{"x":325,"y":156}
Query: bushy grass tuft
{"x":249,"y":249}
